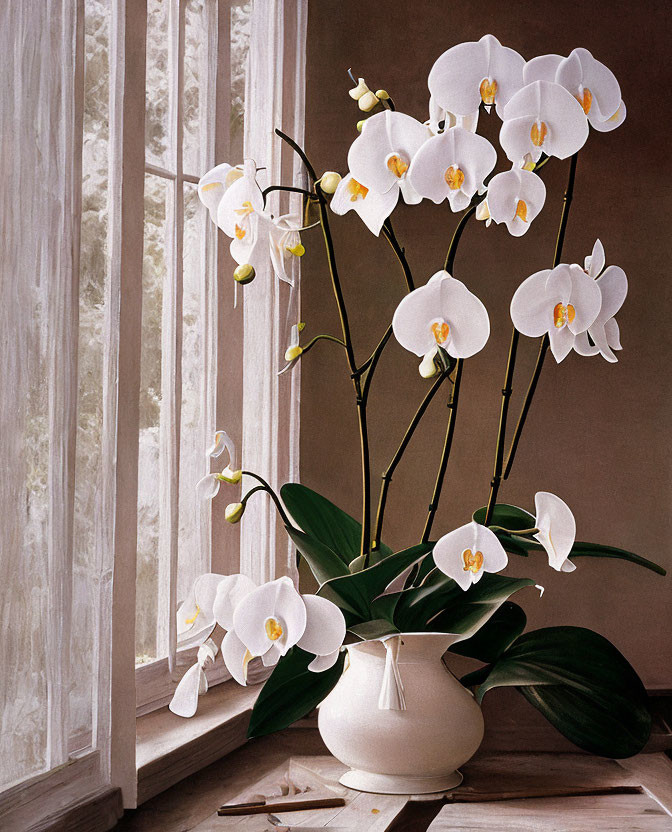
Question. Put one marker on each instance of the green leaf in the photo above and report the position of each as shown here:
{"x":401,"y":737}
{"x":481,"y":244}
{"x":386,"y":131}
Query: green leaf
{"x":439,"y":605}
{"x":507,"y":517}
{"x":495,"y":636}
{"x":291,"y":692}
{"x":374,"y":629}
{"x":356,"y":591}
{"x":581,"y":684}
{"x":324,"y":563}
{"x":322,"y":520}
{"x":597,"y":550}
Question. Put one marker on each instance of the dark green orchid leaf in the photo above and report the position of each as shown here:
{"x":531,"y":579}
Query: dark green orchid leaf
{"x":324,"y":563}
{"x":440,"y":605}
{"x":373,"y":629}
{"x":357,"y":591}
{"x":324,"y":521}
{"x":508,"y":517}
{"x":597,"y":550}
{"x":582,"y":684}
{"x":291,"y":692}
{"x":497,"y":634}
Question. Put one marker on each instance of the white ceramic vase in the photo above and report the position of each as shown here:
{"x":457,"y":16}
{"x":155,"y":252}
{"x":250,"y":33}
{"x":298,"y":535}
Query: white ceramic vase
{"x":399,"y":718}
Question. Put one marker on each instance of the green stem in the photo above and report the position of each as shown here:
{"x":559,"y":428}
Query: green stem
{"x":289,"y":188}
{"x":266,"y":487}
{"x":543,"y":346}
{"x":389,"y":471}
{"x":300,"y":153}
{"x":452,"y":248}
{"x":445,"y":454}
{"x":391,"y":238}
{"x":317,"y":338}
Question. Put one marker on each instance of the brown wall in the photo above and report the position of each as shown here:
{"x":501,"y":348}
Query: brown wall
{"x":598,"y":434}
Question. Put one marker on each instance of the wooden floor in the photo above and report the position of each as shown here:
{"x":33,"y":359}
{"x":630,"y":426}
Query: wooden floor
{"x":261,"y":766}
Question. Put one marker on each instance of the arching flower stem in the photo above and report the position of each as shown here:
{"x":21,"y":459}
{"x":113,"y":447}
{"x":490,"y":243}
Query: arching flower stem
{"x":266,"y":487}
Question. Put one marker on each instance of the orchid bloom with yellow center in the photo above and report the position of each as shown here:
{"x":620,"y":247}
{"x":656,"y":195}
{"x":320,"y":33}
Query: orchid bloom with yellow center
{"x":542,"y":117}
{"x":604,"y":332}
{"x":380,"y":158}
{"x":208,"y":486}
{"x":515,"y":198}
{"x":556,"y":530}
{"x":286,"y":247}
{"x":373,"y":207}
{"x":215,"y":183}
{"x":452,"y":166}
{"x":562,"y":302}
{"x":475,"y":73}
{"x":443,"y":313}
{"x":466,"y":553}
{"x":592,"y":84}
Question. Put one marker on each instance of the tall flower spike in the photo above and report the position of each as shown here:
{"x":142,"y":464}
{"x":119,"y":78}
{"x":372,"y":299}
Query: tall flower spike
{"x":604,"y":331}
{"x":474,"y":72}
{"x":542,"y":118}
{"x":562,"y":302}
{"x":373,"y":207}
{"x":466,"y":553}
{"x":557,"y":530}
{"x":515,"y":197}
{"x":380,"y":158}
{"x":452,"y":166}
{"x":443,"y":313}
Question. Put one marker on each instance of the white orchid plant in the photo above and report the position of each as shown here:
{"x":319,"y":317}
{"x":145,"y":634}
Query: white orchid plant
{"x":452,"y":583}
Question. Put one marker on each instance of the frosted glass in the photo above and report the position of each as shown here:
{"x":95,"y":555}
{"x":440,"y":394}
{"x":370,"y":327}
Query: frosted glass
{"x":157,"y":113}
{"x":195,"y":79}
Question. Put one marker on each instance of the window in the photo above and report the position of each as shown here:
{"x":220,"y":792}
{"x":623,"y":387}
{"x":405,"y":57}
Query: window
{"x":116,"y":291}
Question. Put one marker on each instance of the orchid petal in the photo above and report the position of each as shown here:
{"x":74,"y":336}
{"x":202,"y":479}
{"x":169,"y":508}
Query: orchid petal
{"x":613,"y":334}
{"x":236,"y":657}
{"x":195,"y":617}
{"x":583,"y":346}
{"x":611,"y":123}
{"x":585,"y":297}
{"x":207,"y":487}
{"x":322,"y":663}
{"x":277,"y":600}
{"x":505,"y":193}
{"x":541,"y":68}
{"x":530,"y":310}
{"x":283,"y":238}
{"x":465,"y":553}
{"x":213,"y":185}
{"x":325,"y":626}
{"x":613,"y":285}
{"x":561,"y":342}
{"x":557,"y":529}
{"x":230,"y":592}
{"x":373,"y":208}
{"x":456,"y":150}
{"x":581,"y":71}
{"x":595,"y":262}
{"x":557,"y":115}
{"x":185,"y":699}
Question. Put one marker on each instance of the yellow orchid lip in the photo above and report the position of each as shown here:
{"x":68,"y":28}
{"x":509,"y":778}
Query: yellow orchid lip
{"x":488,"y":91}
{"x":396,"y":164}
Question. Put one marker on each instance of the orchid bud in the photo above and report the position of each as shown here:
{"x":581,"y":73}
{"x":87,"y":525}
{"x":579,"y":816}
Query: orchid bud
{"x":293,"y":352}
{"x":428,"y":368}
{"x":482,"y":211}
{"x":360,"y":125}
{"x":329,"y":181}
{"x":383,"y":95}
{"x":244,"y":274}
{"x":233,"y":512}
{"x":230,"y":476}
{"x":368,"y":101}
{"x":301,"y":326}
{"x":360,"y":90}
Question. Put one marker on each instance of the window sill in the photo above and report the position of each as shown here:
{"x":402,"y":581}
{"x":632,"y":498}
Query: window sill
{"x":169,"y":748}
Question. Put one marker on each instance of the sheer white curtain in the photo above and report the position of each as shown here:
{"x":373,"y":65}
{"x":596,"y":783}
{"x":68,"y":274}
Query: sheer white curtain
{"x":275,"y":97}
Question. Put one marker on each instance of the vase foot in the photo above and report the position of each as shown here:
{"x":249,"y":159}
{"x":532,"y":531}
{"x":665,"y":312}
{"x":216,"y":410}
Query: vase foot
{"x":367,"y":781}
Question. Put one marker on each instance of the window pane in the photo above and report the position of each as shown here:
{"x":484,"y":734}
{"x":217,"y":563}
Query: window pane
{"x":195,"y":78}
{"x":93,"y":271}
{"x":240,"y":40}
{"x":157,"y":114}
{"x":194,"y":429}
{"x":153,"y":272}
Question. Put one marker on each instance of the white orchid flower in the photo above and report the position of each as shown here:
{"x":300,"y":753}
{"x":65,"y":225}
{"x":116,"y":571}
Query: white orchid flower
{"x":604,"y":331}
{"x":557,"y":529}
{"x":452,"y":166}
{"x":373,"y":207}
{"x":542,"y":118}
{"x":194,"y":683}
{"x":592,"y":84}
{"x":515,"y":197}
{"x":286,"y":246}
{"x":466,"y":553}
{"x":273,"y":618}
{"x":213,"y":185}
{"x":381,"y":156}
{"x":241,"y":216}
{"x":562,"y":302}
{"x":195,"y":615}
{"x":474,"y":72}
{"x":438,"y":114}
{"x":208,"y":486}
{"x":443,"y":313}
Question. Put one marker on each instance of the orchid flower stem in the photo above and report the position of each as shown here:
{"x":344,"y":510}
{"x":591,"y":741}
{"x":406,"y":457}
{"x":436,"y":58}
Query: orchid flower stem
{"x":543,"y":346}
{"x":390,"y":236}
{"x":317,"y":338}
{"x":511,"y":363}
{"x":389,"y":471}
{"x":289,"y":188}
{"x":266,"y":487}
{"x":300,"y":153}
{"x":452,"y":248}
{"x":445,"y":453}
